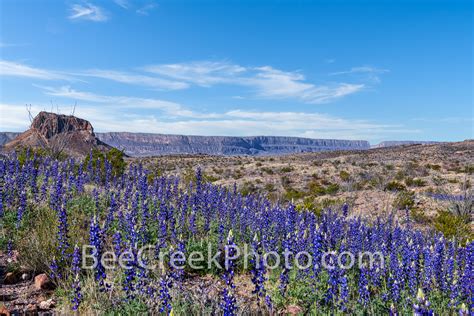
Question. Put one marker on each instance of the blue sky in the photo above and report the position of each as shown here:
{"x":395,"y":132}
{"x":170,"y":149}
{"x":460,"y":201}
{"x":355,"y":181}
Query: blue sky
{"x":374,"y":70}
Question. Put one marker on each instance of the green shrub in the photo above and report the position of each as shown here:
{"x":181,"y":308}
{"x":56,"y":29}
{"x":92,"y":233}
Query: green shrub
{"x":333,"y":188}
{"x":419,"y":216}
{"x":344,"y":175}
{"x":267,"y":170}
{"x":316,"y":189}
{"x":417,"y":182}
{"x":404,"y":200}
{"x":452,"y":225}
{"x":287,"y":169}
{"x":293,"y":194}
{"x":114,"y":156}
{"x":395,"y":186}
{"x":269,"y":187}
{"x":248,"y":188}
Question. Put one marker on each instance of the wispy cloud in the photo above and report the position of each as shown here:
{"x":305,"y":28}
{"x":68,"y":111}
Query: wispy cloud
{"x":122,"y":3}
{"x":87,"y":11}
{"x":203,"y":73}
{"x":145,"y":10}
{"x":171,"y":109}
{"x":136,"y":79}
{"x":259,"y":82}
{"x":6,"y":45}
{"x":13,"y":69}
{"x":370,"y":73}
{"x":268,"y":82}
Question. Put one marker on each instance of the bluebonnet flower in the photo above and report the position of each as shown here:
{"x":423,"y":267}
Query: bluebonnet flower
{"x":285,"y":273}
{"x":165,"y":297}
{"x":363,"y":287}
{"x":95,"y":240}
{"x":258,"y":269}
{"x":422,"y":306}
{"x":76,"y":285}
{"x":228,"y":304}
{"x":333,"y":282}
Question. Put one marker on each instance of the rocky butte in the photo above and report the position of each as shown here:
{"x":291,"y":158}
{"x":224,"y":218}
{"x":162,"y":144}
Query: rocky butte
{"x":58,"y":134}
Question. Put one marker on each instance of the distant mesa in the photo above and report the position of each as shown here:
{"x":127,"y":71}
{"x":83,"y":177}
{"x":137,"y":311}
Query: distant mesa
{"x":393,"y":143}
{"x":59,"y":134}
{"x":145,"y":144}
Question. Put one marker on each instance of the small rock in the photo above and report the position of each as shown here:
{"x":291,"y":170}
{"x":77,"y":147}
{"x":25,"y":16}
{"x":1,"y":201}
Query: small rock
{"x":10,"y":278}
{"x":293,"y":310}
{"x":47,"y":304}
{"x":25,"y":276}
{"x":4,"y":311}
{"x":42,"y":282}
{"x":31,"y":308}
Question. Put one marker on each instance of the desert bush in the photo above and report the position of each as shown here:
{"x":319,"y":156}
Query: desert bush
{"x":293,"y":194}
{"x":285,"y":181}
{"x":344,"y":175}
{"x":248,"y":188}
{"x":114,"y":156}
{"x":395,"y":186}
{"x":332,"y":188}
{"x":452,"y":225}
{"x":267,"y":170}
{"x":404,"y":200}
{"x":269,"y":187}
{"x":37,"y":239}
{"x":416,"y":182}
{"x":469,"y":169}
{"x":287,"y":169}
{"x":314,"y":188}
{"x":463,"y":205}
{"x":419,"y":216}
{"x":433,"y":167}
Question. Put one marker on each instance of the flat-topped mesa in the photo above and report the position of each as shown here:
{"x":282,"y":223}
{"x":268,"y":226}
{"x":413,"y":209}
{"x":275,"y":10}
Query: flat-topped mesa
{"x":58,"y":134}
{"x":145,"y":144}
{"x":50,"y":124}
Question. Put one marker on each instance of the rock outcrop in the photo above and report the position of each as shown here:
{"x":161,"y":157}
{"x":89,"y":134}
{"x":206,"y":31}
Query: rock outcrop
{"x":143,"y":144}
{"x":58,"y":134}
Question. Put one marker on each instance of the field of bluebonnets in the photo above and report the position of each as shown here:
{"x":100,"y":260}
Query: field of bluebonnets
{"x":50,"y":209}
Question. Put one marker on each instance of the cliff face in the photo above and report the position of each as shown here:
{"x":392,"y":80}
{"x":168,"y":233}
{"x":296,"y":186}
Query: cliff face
{"x":142,"y":144}
{"x":58,"y":134}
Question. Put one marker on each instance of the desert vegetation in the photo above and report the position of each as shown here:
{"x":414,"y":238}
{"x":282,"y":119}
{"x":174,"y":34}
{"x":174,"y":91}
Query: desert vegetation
{"x":59,"y":217}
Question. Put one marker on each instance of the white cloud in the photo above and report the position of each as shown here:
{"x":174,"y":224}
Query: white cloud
{"x":87,"y":11}
{"x":267,"y":81}
{"x":13,"y":69}
{"x":122,"y":3}
{"x":371,"y":74}
{"x":135,"y":79}
{"x":203,"y":74}
{"x":171,"y":109}
{"x":262,"y":82}
{"x":145,"y":10}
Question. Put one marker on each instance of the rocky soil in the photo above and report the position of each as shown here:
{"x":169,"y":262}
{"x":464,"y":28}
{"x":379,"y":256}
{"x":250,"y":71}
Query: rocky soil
{"x":22,"y":293}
